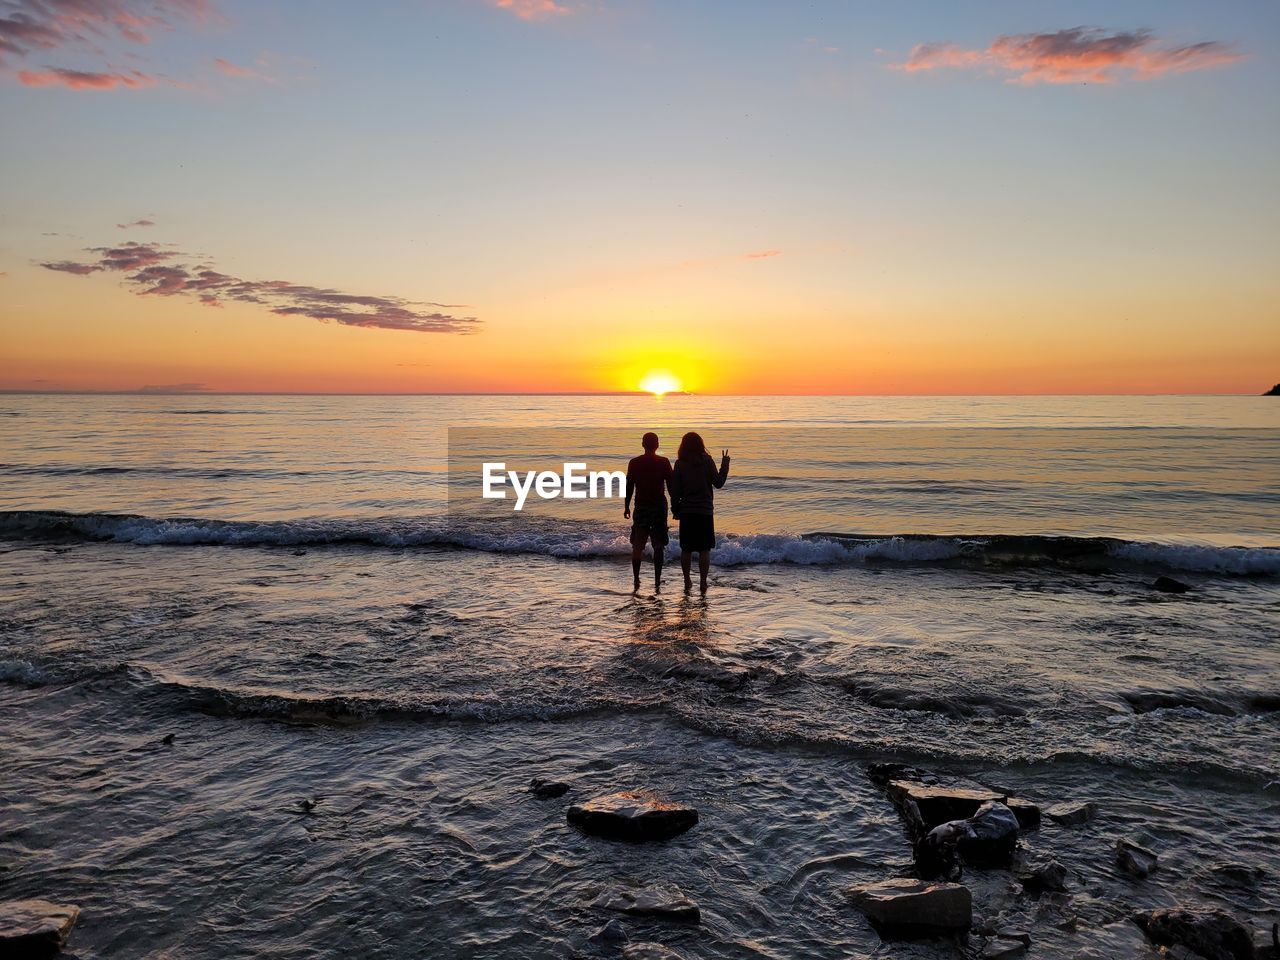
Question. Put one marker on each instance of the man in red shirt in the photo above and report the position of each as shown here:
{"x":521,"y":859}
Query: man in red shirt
{"x":648,"y":478}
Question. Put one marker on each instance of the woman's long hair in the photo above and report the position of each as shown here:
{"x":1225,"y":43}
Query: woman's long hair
{"x":691,"y":447}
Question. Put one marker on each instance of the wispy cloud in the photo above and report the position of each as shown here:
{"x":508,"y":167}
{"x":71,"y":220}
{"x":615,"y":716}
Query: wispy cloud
{"x":144,"y":222}
{"x":1075,"y":55}
{"x":84,"y":79}
{"x":533,"y":9}
{"x":761,"y":254}
{"x":34,"y":31}
{"x":154,"y":269}
{"x":30,"y":25}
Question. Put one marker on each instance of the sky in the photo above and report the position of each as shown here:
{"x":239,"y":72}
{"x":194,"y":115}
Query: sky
{"x":845,"y":197}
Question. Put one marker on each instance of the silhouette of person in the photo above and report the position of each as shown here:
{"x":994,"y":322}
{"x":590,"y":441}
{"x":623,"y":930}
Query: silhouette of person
{"x":648,"y":478}
{"x":693,"y":484}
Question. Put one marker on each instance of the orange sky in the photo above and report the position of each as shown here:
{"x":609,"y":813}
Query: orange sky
{"x":826,"y":200}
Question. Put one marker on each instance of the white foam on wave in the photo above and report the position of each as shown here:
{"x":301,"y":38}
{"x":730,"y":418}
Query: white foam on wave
{"x":584,"y":540}
{"x":1204,"y":558}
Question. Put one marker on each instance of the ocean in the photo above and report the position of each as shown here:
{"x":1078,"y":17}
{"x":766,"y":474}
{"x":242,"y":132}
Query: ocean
{"x":308,"y":594}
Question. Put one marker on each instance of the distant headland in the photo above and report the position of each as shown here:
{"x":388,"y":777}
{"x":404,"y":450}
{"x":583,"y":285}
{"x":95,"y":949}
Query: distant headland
{"x":1273,"y":392}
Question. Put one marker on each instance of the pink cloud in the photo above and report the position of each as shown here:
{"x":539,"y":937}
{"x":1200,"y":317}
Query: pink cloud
{"x":136,"y":223}
{"x":533,"y":9}
{"x":762,"y":254}
{"x":84,"y":79}
{"x":231,"y":69}
{"x":1076,"y":55}
{"x":27,"y":25}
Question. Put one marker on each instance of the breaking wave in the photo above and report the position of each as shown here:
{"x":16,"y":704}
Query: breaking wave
{"x":585,"y":540}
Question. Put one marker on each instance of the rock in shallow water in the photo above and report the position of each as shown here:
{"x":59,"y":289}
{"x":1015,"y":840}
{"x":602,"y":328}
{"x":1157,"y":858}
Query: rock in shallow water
{"x":1071,"y":814}
{"x":1049,"y":875}
{"x":986,"y":839}
{"x":1170,"y":585}
{"x":1134,"y":859}
{"x":938,"y":804}
{"x":1213,"y":934}
{"x":649,"y":951}
{"x":34,"y":929}
{"x":914,"y":906}
{"x":657,"y":900}
{"x":632,"y":815}
{"x":547,"y":789}
{"x":611,"y":932}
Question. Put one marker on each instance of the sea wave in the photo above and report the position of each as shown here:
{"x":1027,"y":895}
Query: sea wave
{"x":586,"y":540}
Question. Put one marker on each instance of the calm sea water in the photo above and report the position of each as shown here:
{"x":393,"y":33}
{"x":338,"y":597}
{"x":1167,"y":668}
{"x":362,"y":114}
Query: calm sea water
{"x":284,"y":584}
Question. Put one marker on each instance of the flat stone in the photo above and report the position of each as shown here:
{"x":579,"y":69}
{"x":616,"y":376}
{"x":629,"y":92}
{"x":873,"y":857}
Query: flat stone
{"x":1134,"y":859}
{"x":657,"y":900}
{"x":632,"y":815}
{"x":1211,"y":934}
{"x":940,"y":804}
{"x":649,"y":951}
{"x":1003,"y":950}
{"x":547,"y":789}
{"x":918,"y":906}
{"x":32,"y":929}
{"x":1071,"y":814}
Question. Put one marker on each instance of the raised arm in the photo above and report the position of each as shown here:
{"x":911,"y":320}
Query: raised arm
{"x":723,"y":474}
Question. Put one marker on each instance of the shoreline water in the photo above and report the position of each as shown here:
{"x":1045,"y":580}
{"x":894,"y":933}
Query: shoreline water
{"x":359,"y":688}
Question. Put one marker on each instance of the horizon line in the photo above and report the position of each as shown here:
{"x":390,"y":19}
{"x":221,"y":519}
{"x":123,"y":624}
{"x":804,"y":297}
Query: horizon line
{"x":567,"y":393}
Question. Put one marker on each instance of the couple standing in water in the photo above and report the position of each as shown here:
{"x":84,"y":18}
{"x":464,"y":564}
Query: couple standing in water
{"x":692,"y":483}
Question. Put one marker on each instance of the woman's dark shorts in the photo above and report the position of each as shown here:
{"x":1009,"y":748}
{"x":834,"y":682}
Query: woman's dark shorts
{"x":697,"y":532}
{"x":650,"y":523}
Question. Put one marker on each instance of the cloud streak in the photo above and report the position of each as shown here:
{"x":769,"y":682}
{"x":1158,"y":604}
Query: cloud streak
{"x":533,"y":9}
{"x":84,"y":79}
{"x":31,"y":25}
{"x":1075,"y":55}
{"x":152,"y":269}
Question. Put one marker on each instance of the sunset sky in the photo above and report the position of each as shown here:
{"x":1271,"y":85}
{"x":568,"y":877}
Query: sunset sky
{"x":565,"y":195}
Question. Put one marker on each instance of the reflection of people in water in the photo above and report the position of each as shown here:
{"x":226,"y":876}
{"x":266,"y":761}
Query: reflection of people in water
{"x":648,"y":478}
{"x":693,"y":484}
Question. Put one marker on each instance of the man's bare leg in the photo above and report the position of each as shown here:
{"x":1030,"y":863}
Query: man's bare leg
{"x":657,"y":567}
{"x":637,"y":554}
{"x":704,"y":567}
{"x":686,"y":558}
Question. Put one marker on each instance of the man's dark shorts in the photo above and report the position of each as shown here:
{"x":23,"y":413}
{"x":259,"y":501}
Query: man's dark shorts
{"x":650,"y":522}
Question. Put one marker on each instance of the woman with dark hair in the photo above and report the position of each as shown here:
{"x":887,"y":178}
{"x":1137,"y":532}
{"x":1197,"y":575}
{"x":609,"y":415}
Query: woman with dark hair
{"x":694,"y":481}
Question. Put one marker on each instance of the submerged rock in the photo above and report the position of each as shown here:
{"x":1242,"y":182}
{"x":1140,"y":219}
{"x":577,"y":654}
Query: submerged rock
{"x":1001,"y":949}
{"x":649,"y":951}
{"x":915,"y":906}
{"x":1212,"y":934}
{"x":1050,"y":875}
{"x":1071,"y":814}
{"x":547,"y":789}
{"x":32,"y":929}
{"x":1170,"y":585}
{"x":1134,"y":859}
{"x":632,"y":815}
{"x":611,"y":932}
{"x":656,"y":900}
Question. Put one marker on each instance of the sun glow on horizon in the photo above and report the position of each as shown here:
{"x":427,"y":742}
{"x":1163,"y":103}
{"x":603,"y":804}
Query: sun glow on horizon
{"x":659,"y":383}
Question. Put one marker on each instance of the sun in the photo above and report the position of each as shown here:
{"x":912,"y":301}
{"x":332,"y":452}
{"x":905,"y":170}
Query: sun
{"x":659,"y":382}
